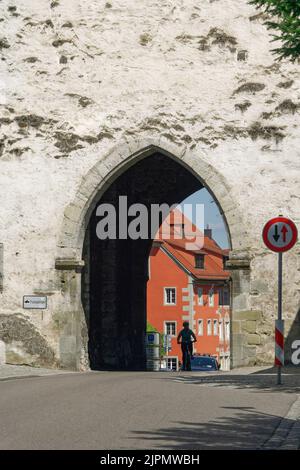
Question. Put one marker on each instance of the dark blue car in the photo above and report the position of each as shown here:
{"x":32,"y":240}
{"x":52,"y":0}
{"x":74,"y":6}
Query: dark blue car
{"x":204,"y":363}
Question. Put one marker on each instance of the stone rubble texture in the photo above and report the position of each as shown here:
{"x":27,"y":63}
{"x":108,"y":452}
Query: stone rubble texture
{"x":80,"y":78}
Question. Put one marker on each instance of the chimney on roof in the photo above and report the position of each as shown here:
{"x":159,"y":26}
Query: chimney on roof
{"x":208,"y":232}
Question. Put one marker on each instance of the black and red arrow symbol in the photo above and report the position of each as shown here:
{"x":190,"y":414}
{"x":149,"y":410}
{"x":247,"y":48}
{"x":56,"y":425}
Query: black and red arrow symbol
{"x":284,"y":231}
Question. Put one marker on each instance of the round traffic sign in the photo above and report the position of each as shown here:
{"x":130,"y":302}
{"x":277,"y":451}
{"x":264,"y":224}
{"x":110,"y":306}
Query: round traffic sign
{"x":280,"y":234}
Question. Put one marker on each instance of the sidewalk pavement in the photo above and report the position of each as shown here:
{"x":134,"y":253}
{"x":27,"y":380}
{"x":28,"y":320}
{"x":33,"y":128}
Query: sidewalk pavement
{"x":10,"y":371}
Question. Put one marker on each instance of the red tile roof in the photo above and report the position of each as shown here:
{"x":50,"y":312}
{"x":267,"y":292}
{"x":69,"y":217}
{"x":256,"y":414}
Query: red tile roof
{"x":168,"y":236}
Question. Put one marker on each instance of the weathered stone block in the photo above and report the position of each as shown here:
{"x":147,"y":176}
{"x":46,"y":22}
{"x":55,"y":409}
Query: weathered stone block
{"x":240,"y":339}
{"x":253,"y":338}
{"x":249,"y":352}
{"x":247,"y":315}
{"x":237,"y":350}
{"x":259,"y":286}
{"x":236,"y":327}
{"x":240,"y":301}
{"x":2,"y":353}
{"x":67,"y":351}
{"x":249,"y":326}
{"x":23,"y":339}
{"x":1,"y":267}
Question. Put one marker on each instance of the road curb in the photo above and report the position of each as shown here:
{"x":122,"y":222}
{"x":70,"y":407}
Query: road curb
{"x":287,"y":434}
{"x":292,"y":441}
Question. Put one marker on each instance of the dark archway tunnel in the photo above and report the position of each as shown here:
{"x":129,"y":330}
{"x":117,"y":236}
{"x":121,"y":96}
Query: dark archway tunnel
{"x":116,"y":271}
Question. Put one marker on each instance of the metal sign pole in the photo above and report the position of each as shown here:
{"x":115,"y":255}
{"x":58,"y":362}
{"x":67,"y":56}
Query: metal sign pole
{"x":279,"y":234}
{"x":279,"y":306}
{"x":280,"y":286}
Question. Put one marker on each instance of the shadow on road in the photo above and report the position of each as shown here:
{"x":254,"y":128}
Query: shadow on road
{"x":264,"y":380}
{"x":247,"y":429}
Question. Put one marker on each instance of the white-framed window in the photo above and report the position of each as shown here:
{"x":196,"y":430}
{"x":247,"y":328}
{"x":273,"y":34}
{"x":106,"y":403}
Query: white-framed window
{"x":170,"y":328}
{"x":200,"y":295}
{"x":200,"y":327}
{"x":211,"y":297}
{"x":208,"y":327}
{"x":216,"y":330}
{"x":227,"y":330}
{"x":221,"y":331}
{"x":172,"y":363}
{"x":170,"y":296}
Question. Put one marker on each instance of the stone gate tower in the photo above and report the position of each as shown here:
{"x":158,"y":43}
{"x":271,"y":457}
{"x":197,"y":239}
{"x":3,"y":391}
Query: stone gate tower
{"x":90,"y":89}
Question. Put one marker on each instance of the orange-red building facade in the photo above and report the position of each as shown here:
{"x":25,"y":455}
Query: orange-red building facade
{"x":190,"y":286}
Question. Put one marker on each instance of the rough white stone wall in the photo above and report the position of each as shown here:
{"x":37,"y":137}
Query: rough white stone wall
{"x":78,"y":76}
{"x":2,"y":353}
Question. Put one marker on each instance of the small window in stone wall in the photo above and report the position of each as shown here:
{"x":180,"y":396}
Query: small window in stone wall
{"x":1,"y":267}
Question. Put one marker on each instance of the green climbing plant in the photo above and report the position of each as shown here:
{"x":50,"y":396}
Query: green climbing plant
{"x":284,"y":20}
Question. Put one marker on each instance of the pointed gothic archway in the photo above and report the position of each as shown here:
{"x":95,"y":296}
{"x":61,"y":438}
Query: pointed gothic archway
{"x":113,"y":279}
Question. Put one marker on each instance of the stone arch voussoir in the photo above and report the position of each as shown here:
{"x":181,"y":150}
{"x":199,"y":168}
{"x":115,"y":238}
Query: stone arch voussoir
{"x":122,"y":156}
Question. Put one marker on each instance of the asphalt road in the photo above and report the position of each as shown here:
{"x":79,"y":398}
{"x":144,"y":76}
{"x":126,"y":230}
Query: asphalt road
{"x":126,"y":410}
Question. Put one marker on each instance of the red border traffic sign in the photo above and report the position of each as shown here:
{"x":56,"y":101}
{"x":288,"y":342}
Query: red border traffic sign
{"x":271,"y":245}
{"x":279,"y":235}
